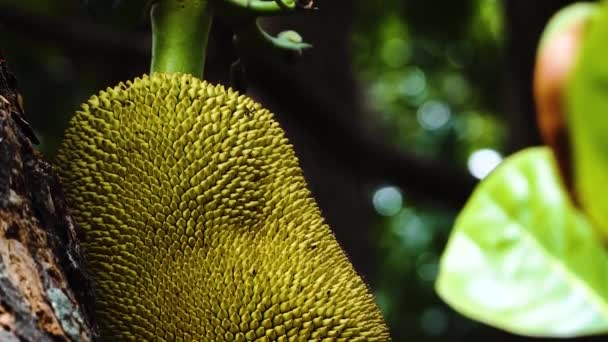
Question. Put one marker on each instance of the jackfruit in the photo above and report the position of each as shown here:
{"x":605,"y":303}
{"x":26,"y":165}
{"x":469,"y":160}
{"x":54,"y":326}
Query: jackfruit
{"x":198,"y":222}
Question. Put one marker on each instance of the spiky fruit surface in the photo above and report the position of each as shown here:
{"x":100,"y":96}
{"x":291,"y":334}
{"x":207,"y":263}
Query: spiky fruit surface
{"x":199,"y":224}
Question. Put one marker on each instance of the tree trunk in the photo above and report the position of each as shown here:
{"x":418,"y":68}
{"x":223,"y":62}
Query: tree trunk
{"x":44,"y":293}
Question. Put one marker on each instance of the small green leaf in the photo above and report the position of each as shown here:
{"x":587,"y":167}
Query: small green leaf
{"x":522,"y":258}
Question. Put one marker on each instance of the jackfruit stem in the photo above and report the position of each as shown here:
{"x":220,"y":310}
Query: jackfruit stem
{"x":180,"y":31}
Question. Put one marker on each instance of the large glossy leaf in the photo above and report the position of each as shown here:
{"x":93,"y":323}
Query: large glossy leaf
{"x":587,"y":100}
{"x":522,"y":258}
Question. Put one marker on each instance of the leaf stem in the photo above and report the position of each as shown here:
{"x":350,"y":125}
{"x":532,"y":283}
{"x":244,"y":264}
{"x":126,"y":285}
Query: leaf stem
{"x":180,"y":31}
{"x":261,"y":8}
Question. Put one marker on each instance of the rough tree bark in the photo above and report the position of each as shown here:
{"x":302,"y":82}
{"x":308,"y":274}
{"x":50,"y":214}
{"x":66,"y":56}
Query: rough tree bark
{"x":43,"y":288}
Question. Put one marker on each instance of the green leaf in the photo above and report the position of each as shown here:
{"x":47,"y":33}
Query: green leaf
{"x":587,"y":105}
{"x":522,"y":258}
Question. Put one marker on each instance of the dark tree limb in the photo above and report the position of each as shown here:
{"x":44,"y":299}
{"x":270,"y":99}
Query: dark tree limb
{"x":82,"y":34}
{"x":43,"y":289}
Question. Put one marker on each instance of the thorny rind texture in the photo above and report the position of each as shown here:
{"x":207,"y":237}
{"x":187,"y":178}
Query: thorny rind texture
{"x":42,"y":286}
{"x":199,"y":224}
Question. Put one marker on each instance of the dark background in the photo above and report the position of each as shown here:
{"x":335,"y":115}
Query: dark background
{"x":388,"y":182}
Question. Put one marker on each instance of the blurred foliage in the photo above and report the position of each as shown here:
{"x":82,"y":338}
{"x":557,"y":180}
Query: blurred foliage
{"x":410,"y":241}
{"x":434,"y":80}
{"x":432,"y":72}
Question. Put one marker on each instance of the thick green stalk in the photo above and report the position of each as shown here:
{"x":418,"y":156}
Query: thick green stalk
{"x":180,"y":30}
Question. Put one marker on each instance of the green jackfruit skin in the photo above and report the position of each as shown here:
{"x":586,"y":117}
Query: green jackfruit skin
{"x":198,"y":223}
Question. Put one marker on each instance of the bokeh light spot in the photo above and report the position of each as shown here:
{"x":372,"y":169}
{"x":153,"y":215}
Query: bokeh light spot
{"x":482,"y":162}
{"x":388,"y":200}
{"x":434,"y":321}
{"x":427,"y":266}
{"x":395,"y":52}
{"x":456,"y":88}
{"x":414,"y":233}
{"x":433,"y":115}
{"x":413,"y":83}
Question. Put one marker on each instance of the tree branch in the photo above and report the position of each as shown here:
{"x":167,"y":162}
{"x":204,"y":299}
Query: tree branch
{"x":82,"y":34}
{"x":43,"y":290}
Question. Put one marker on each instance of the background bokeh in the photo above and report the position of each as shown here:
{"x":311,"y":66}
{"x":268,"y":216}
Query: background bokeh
{"x":395,"y":114}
